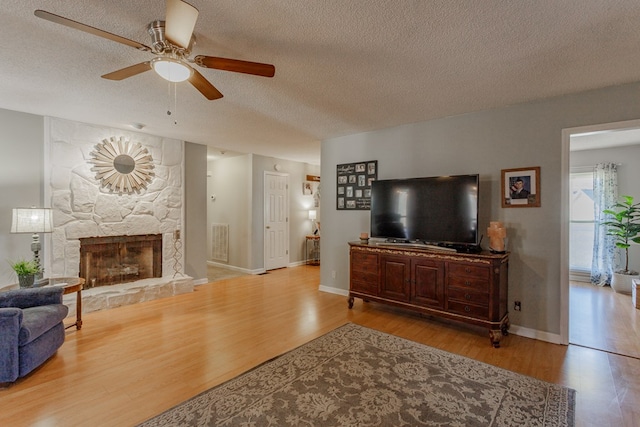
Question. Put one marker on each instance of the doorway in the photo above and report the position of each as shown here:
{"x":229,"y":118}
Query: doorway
{"x":276,"y":220}
{"x":593,"y":316}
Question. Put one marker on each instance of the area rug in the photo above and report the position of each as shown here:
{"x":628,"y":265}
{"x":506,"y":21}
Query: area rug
{"x":355,"y":376}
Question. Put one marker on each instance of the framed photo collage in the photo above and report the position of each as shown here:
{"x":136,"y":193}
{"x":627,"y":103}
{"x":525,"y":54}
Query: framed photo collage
{"x":354,"y":185}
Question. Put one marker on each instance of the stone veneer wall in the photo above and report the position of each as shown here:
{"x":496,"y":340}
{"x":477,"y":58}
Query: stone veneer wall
{"x":81,"y":208}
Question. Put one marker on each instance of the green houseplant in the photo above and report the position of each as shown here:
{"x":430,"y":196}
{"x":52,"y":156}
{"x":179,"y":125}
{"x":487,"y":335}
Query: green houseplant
{"x":624,"y":226}
{"x":26,"y":271}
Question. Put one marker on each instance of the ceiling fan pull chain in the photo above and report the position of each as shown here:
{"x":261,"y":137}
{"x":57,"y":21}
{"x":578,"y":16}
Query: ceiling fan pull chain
{"x":175,"y":102}
{"x":168,"y":98}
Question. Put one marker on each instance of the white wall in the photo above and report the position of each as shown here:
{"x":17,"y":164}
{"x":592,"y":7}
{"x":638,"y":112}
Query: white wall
{"x":628,"y":177}
{"x":21,"y":171}
{"x":484,"y":142}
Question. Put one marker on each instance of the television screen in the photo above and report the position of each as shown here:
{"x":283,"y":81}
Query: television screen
{"x":433,"y":210}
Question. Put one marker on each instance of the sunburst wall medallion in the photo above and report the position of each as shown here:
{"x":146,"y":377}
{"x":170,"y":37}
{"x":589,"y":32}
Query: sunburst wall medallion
{"x":122,"y":166}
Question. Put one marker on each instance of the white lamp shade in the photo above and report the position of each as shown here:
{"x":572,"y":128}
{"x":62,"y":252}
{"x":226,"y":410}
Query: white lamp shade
{"x":172,"y":70}
{"x":312,"y":214}
{"x":31,"y":220}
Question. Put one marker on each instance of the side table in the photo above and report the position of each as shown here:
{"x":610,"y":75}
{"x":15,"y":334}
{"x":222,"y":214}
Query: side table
{"x":71,"y":285}
{"x":312,"y":256}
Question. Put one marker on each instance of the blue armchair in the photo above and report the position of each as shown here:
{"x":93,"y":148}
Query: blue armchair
{"x":31,"y":329}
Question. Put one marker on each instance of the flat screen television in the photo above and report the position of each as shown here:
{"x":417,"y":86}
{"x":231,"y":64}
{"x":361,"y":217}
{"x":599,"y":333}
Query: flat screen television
{"x":440,"y":210}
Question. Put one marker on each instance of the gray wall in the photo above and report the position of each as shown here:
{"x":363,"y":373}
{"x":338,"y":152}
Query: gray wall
{"x":484,"y":142}
{"x":628,"y":177}
{"x":229,"y":181}
{"x":21,"y":182}
{"x":195,"y":205}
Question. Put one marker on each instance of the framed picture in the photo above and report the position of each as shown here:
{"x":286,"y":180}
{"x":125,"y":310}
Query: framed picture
{"x":521,"y":187}
{"x":354,"y":185}
{"x":309,"y":188}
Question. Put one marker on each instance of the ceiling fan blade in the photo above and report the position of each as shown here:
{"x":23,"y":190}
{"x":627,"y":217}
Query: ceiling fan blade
{"x":129,"y":71}
{"x":180,"y":20}
{"x":207,"y":89}
{"x":236,"y":65}
{"x":88,"y":29}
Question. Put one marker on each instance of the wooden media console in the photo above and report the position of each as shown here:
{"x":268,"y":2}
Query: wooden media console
{"x":470,"y":288}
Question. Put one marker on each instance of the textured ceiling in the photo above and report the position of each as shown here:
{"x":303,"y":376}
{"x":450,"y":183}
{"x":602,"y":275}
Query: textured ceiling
{"x":342,"y":67}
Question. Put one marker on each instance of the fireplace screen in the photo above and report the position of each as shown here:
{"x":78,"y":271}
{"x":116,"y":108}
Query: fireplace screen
{"x":119,"y":259}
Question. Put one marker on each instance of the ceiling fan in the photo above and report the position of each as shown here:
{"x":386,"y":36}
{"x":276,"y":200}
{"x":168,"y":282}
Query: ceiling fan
{"x":172,"y":41}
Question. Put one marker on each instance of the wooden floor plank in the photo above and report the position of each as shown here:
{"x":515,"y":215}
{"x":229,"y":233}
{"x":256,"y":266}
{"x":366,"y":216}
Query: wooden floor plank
{"x":131,"y":363}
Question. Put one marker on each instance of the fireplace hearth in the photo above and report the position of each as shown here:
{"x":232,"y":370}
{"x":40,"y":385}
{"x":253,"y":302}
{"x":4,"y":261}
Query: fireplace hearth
{"x":112,"y":260}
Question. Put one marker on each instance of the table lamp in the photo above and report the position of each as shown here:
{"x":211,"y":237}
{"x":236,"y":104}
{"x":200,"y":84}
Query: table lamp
{"x":32,"y":220}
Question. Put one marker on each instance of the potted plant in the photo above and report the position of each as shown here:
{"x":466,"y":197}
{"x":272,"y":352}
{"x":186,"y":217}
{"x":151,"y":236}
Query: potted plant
{"x":26,"y":271}
{"x":624,"y":226}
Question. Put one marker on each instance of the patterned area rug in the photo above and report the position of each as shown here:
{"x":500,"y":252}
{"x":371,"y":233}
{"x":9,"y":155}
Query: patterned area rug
{"x":355,"y":376}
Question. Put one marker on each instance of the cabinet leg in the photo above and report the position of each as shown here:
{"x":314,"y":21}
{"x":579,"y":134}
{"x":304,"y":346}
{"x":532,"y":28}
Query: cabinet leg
{"x":350,"y":300}
{"x":505,"y":327}
{"x":495,"y":336}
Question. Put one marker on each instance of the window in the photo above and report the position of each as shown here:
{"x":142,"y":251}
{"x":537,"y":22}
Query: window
{"x":581,"y":222}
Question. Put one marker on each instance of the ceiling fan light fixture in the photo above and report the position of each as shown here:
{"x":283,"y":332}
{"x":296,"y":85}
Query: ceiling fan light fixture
{"x":173,"y":70}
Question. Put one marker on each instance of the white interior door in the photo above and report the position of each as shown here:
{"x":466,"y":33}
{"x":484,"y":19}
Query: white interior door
{"x":276,"y":220}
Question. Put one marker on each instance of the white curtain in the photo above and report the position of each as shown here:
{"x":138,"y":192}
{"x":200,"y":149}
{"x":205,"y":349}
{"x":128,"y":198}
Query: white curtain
{"x":605,"y":195}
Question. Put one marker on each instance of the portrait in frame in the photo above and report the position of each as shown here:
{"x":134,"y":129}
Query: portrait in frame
{"x":521,"y":187}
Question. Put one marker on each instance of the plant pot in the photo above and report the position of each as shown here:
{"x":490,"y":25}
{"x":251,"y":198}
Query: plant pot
{"x":622,"y":283}
{"x":26,"y":281}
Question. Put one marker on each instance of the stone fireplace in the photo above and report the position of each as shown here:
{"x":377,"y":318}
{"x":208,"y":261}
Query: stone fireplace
{"x":83,"y":207}
{"x":111,"y":260}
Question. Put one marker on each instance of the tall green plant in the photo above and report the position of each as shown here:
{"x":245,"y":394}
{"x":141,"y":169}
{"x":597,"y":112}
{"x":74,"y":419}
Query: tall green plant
{"x":624,"y":226}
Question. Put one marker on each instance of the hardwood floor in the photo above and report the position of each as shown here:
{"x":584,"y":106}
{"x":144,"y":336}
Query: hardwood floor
{"x":603,"y":319}
{"x":131,"y":363}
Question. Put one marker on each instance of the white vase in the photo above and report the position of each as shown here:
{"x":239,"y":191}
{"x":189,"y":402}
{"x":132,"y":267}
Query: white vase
{"x":622,"y":283}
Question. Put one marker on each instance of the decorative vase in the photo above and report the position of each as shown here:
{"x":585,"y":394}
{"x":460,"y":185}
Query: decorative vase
{"x":26,"y":281}
{"x":622,"y":283}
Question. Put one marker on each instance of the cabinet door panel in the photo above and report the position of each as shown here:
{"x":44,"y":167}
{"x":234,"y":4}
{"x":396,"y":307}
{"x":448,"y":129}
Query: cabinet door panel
{"x":428,"y":283}
{"x":395,"y":278}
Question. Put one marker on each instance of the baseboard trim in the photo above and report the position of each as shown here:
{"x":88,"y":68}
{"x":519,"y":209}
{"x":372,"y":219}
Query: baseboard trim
{"x":332,"y":290}
{"x":234,"y":268}
{"x":535,"y":334}
{"x":297,"y":264}
{"x":197,"y":282}
{"x":247,"y":271}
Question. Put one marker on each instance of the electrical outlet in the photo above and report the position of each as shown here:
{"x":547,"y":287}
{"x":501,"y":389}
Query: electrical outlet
{"x":333,"y":274}
{"x":517,"y":306}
